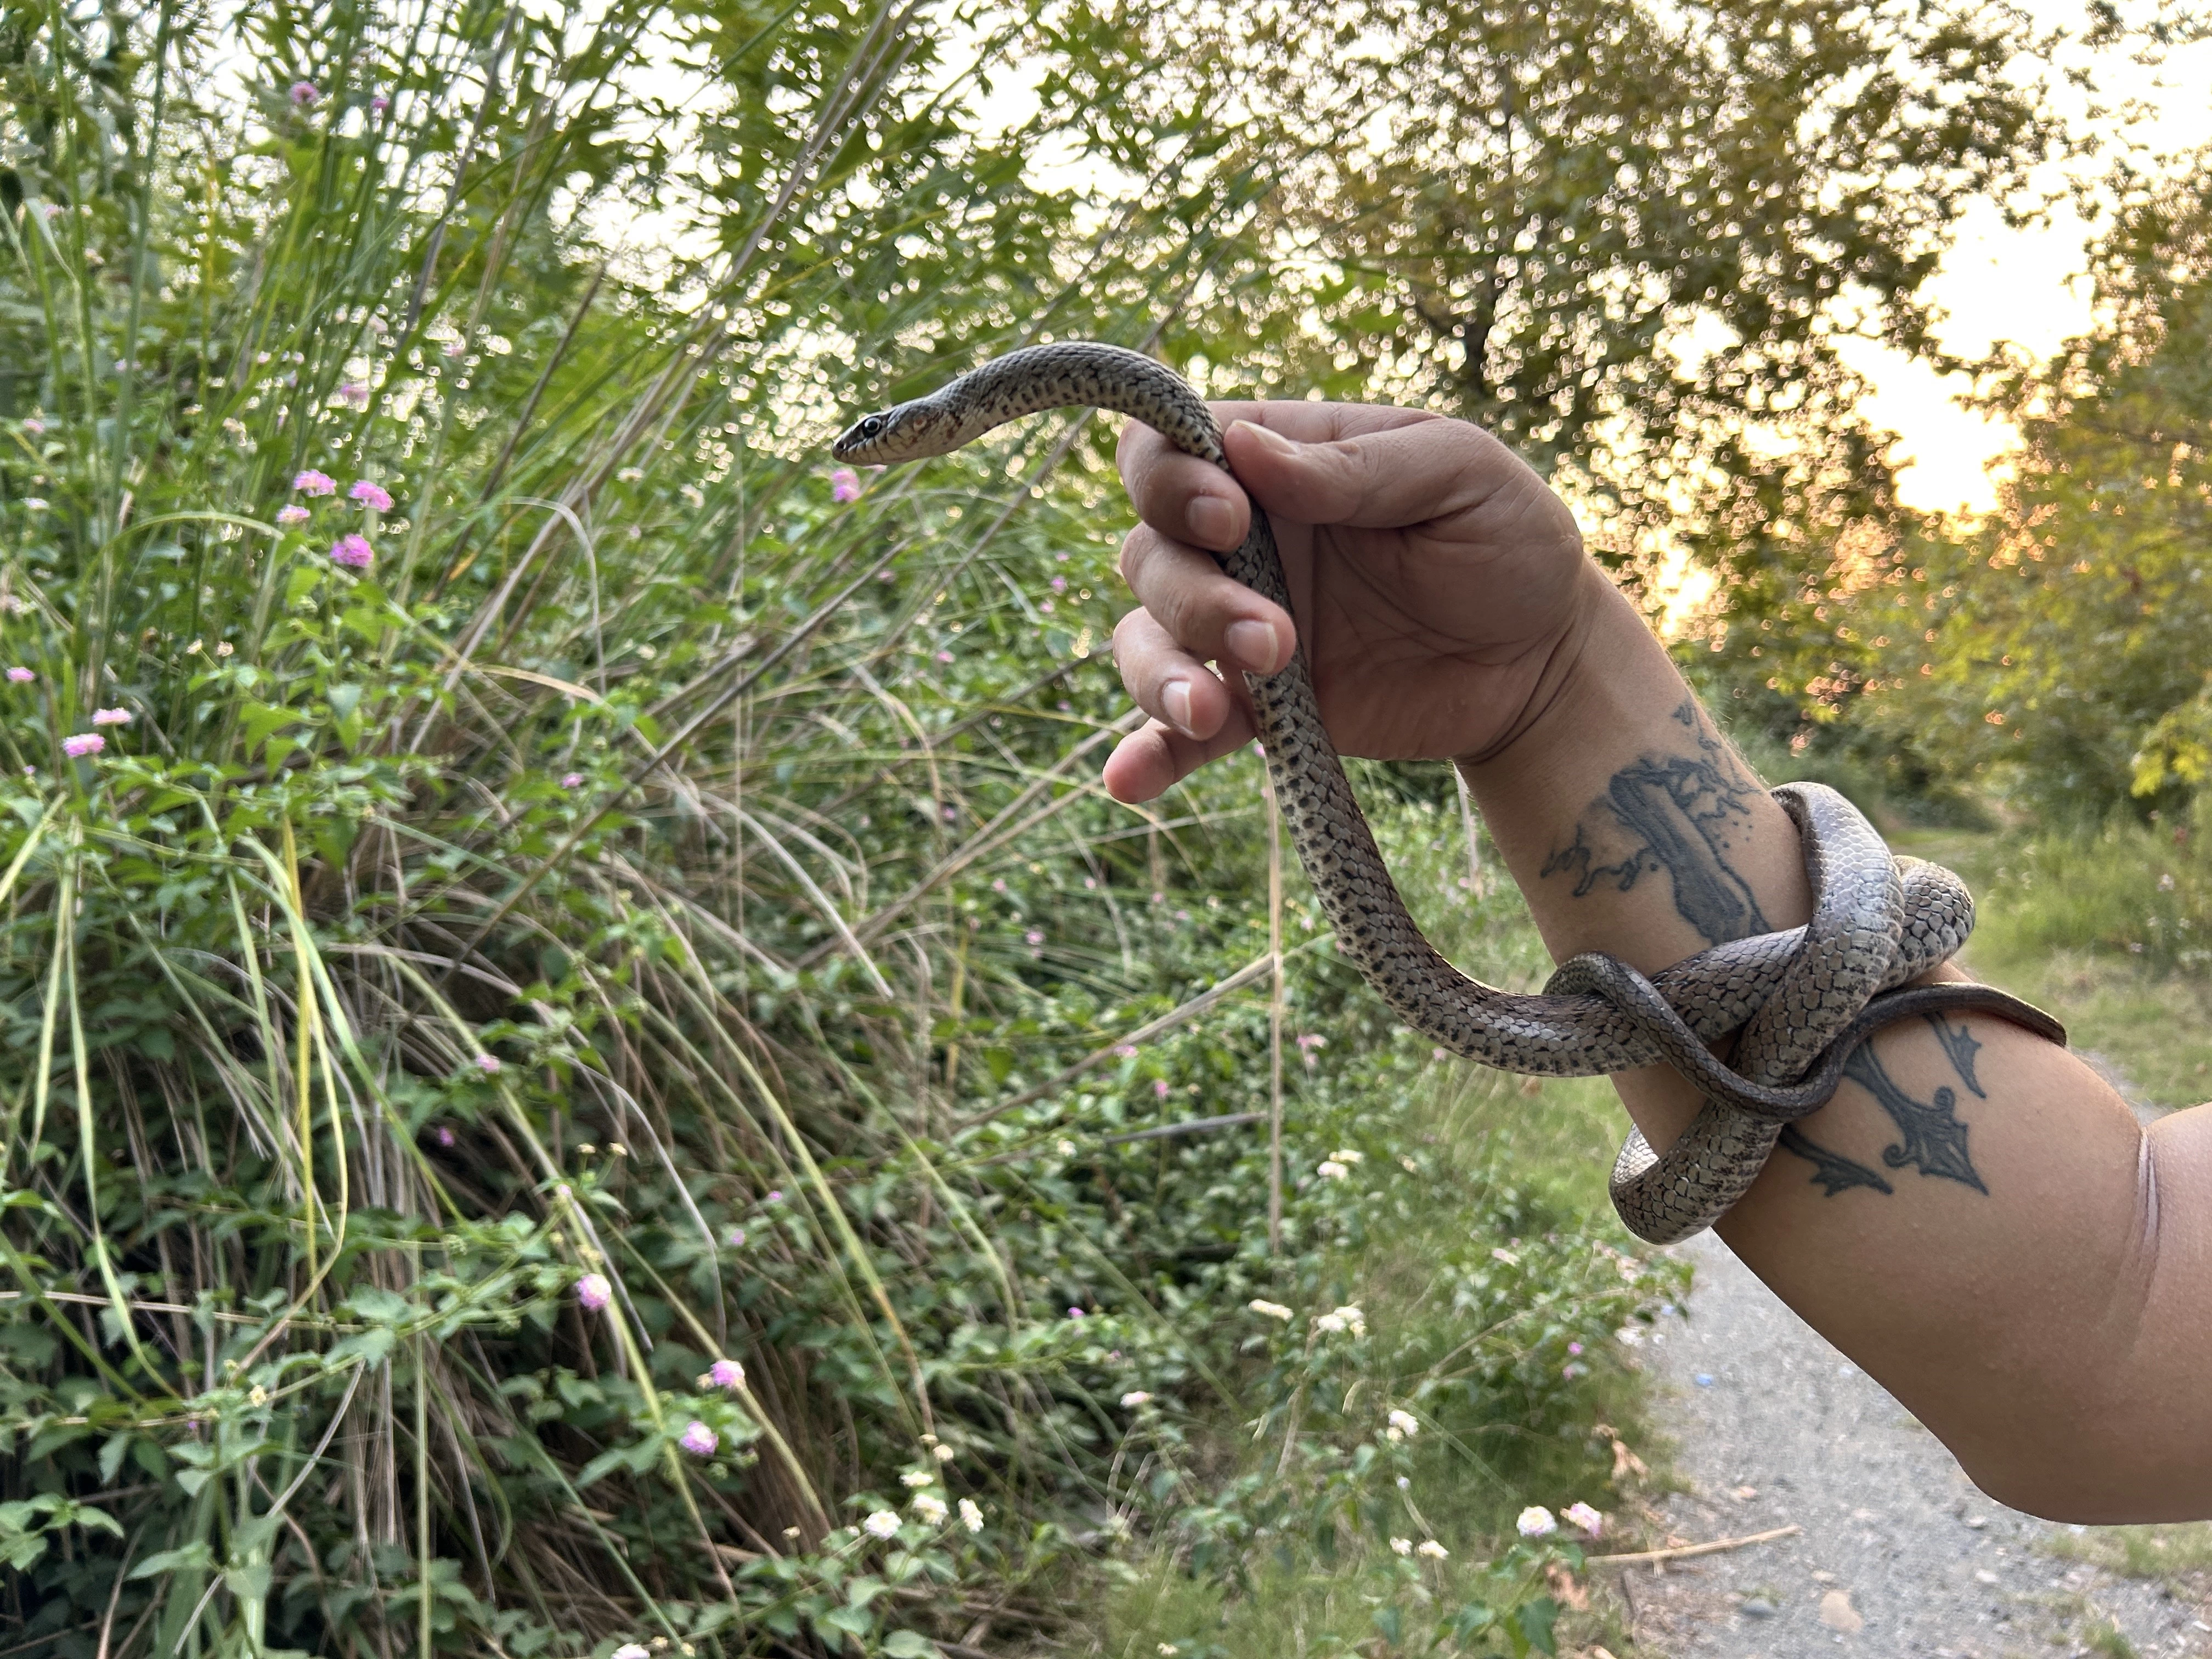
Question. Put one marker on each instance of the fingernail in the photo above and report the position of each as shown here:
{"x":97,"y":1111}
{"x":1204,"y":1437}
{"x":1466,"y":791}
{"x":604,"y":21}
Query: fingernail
{"x":1175,"y":697}
{"x":1210,"y":521}
{"x":1269,"y":437}
{"x":1252,"y":643}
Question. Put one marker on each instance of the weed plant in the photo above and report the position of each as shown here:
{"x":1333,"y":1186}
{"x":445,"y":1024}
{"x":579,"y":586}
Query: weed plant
{"x":583,"y":1056}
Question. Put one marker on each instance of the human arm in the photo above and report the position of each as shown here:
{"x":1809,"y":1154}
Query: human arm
{"x":1976,"y":1219}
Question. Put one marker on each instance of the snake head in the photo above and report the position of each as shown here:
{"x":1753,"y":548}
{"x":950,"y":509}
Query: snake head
{"x":908,"y":432}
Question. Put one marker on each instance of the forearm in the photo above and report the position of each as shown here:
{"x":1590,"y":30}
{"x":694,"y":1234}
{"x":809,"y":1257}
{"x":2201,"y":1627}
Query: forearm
{"x":1978,"y":1221}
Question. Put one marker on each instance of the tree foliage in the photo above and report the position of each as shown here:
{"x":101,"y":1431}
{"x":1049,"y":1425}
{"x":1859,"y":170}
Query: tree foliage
{"x":2062,"y":655}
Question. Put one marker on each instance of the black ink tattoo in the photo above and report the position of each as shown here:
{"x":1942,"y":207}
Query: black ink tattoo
{"x":1835,"y":1172}
{"x":1677,"y":811}
{"x":1930,"y":1137}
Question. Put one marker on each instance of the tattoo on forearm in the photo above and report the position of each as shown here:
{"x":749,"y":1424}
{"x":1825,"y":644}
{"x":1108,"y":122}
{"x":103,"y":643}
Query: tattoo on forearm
{"x":1835,"y":1172}
{"x":1678,"y":814}
{"x":1930,"y":1137}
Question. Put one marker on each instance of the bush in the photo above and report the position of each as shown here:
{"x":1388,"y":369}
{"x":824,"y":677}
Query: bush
{"x":574,"y":1019}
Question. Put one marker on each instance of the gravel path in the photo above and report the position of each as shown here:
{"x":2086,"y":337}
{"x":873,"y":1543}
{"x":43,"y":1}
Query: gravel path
{"x":1900,"y":1556}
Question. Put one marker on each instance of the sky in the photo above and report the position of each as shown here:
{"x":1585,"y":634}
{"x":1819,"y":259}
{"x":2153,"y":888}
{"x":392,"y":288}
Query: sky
{"x":2024,"y":286}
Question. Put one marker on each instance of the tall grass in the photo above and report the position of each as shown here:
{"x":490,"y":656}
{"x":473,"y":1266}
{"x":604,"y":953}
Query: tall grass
{"x":585,"y":894}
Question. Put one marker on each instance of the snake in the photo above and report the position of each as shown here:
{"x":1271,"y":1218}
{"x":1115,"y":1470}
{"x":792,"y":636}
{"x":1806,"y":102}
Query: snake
{"x":1798,"y":1001}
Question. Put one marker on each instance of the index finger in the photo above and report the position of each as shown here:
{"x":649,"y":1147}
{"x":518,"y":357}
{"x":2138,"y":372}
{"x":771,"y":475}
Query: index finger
{"x":1189,"y":500}
{"x":1182,"y":497}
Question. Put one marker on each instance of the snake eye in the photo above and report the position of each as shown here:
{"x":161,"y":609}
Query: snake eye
{"x":871,"y":426}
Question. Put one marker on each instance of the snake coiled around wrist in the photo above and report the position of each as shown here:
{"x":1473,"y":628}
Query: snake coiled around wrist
{"x":1800,"y":1001}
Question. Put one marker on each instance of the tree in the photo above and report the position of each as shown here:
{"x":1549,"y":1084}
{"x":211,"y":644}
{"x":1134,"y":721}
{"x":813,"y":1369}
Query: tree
{"x":1626,"y":238}
{"x":2065,"y":652}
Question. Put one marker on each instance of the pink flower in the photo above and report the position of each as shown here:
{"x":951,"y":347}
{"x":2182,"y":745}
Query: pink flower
{"x":726,"y":1374}
{"x":1059,"y":584}
{"x":21,"y":676}
{"x":291,"y":513}
{"x":1034,"y":937}
{"x":85,"y":742}
{"x":845,"y":485}
{"x":379,"y":104}
{"x":444,"y":1136}
{"x":1575,"y":1348}
{"x":944,"y":656}
{"x":572,"y":781}
{"x":776,"y":1195}
{"x":593,"y":1293}
{"x":735,"y":1238}
{"x":1586,"y":1517}
{"x":352,"y":552}
{"x":312,"y":482}
{"x":1077,"y":1313}
{"x":353,"y":392}
{"x":488,"y":1064}
{"x":372,"y":496}
{"x":1160,"y":1087}
{"x":699,"y":1440}
{"x":111,"y":717}
{"x":304,"y":93}
{"x":34,"y":425}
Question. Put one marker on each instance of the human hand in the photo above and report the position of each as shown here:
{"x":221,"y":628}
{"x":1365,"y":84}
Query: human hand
{"x":1440,"y":587}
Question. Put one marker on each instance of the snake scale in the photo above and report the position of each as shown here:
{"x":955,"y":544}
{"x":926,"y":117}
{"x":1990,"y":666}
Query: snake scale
{"x":1802,"y":999}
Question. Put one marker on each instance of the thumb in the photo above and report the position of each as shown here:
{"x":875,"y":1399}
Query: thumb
{"x":1383,"y":480}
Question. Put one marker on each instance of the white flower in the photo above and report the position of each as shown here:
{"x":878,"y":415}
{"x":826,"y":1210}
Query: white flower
{"x":971,"y":1515}
{"x":632,"y":1651}
{"x":1405,"y":1424}
{"x":1401,"y":1546}
{"x":1535,"y":1522}
{"x":1064,"y":1146}
{"x":1347,"y":1155}
{"x":917,"y":1478}
{"x":885,"y":1524}
{"x":1433,"y":1550}
{"x":1347,"y":1318}
{"x":1273,"y":1309}
{"x":943,"y":1454}
{"x":1135,"y":1398}
{"x":1329,"y":1169}
{"x":930,"y":1507}
{"x":1499,"y":1253}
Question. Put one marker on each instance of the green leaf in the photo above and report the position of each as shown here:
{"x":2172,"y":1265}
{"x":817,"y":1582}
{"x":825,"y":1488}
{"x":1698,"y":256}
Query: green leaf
{"x":909,"y":1645}
{"x":194,"y":1557}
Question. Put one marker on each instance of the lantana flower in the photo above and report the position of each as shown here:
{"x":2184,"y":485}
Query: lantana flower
{"x":931,"y":1507}
{"x":1535,"y":1522}
{"x":21,"y":676}
{"x":845,"y":484}
{"x":971,"y":1515}
{"x":372,"y":495}
{"x":1433,"y":1550}
{"x":488,"y":1064}
{"x":111,"y":717}
{"x":312,"y":482}
{"x":85,"y":743}
{"x":1271,"y":1309}
{"x":1590,"y":1520}
{"x":304,"y":93}
{"x":726,"y":1374}
{"x":593,"y":1293}
{"x":884,"y":1523}
{"x":698,"y":1439}
{"x":1404,"y":1425}
{"x":291,"y":513}
{"x":353,"y":551}
{"x":1135,"y":1398}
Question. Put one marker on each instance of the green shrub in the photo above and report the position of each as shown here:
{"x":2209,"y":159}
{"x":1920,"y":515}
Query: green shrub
{"x":569,"y":1049}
